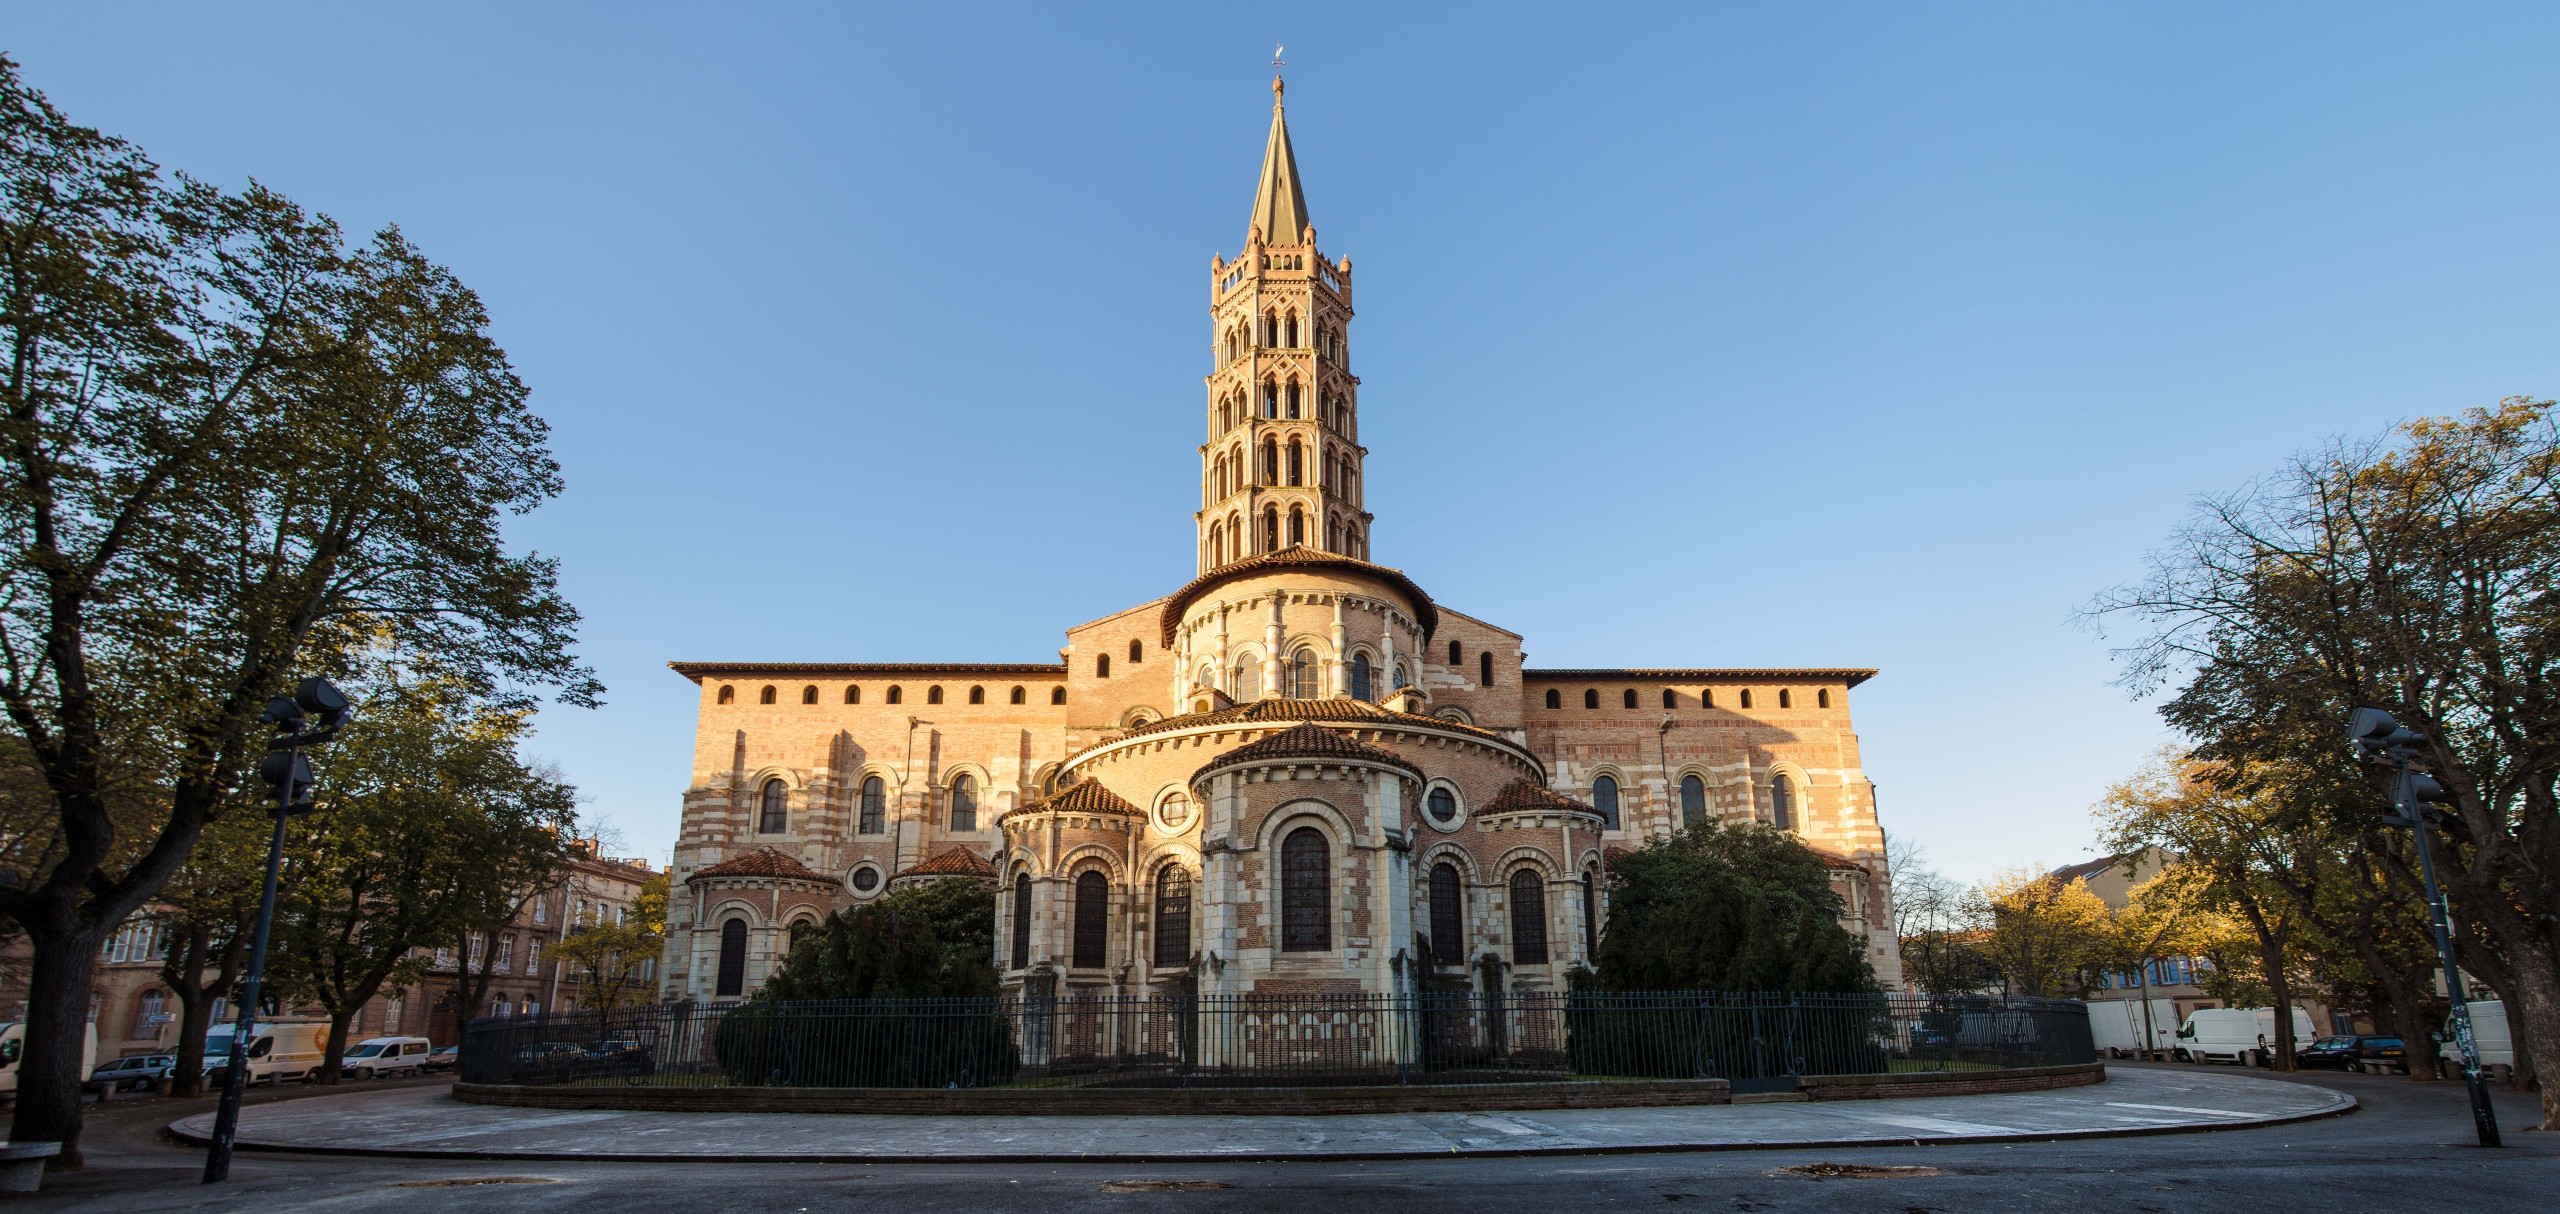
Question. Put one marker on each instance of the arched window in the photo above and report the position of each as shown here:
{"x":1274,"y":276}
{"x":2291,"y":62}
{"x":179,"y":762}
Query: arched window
{"x":775,"y":814}
{"x":1102,"y":666}
{"x":1707,"y":698}
{"x":1782,"y":802}
{"x":1271,"y":529}
{"x":1057,"y":695}
{"x":1403,"y":677}
{"x":1093,"y":921}
{"x":1453,"y":653}
{"x":1137,"y":652}
{"x":1302,"y":675}
{"x":1590,"y":698}
{"x":1693,"y":800}
{"x":875,"y":807}
{"x":1443,"y":806}
{"x":1289,"y":331}
{"x":1822,"y":698}
{"x":1297,"y":524}
{"x":1306,"y":889}
{"x":1270,"y":462}
{"x":1628,"y":699}
{"x":1020,"y":697}
{"x":1270,"y":398}
{"x":1360,"y":689}
{"x":1785,"y":700}
{"x":1021,"y":920}
{"x":1746,"y":697}
{"x":799,"y":929}
{"x":1333,"y":535}
{"x":1448,"y":916}
{"x":897,"y":694}
{"x":1604,"y":797}
{"x":977,"y":695}
{"x":1248,"y":679}
{"x":765,"y":696}
{"x":964,"y":802}
{"x":852,"y":694}
{"x":1218,"y":483}
{"x":1528,"y":918}
{"x":1484,"y":669}
{"x":1173,"y":916}
{"x":728,"y":694}
{"x":809,"y":694}
{"x":1670,"y":698}
{"x":1590,"y":915}
{"x":1351,"y":545}
{"x":1297,"y":463}
{"x":933,"y":694}
{"x":1271,"y":330}
{"x":733,"y":960}
{"x":1555,"y":699}
{"x":1291,"y":395}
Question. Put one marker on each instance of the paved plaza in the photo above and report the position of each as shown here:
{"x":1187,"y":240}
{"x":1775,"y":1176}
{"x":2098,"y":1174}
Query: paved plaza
{"x":425,"y":1122}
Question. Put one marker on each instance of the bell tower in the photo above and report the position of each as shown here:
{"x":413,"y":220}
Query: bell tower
{"x":1282,"y":467}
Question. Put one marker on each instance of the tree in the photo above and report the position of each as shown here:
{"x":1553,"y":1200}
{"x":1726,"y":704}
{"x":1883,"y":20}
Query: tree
{"x":411,"y":801}
{"x":930,"y":941}
{"x":513,"y":865}
{"x":222,"y":430}
{"x":2046,"y":935}
{"x":2416,"y":575}
{"x":1938,"y":939}
{"x":608,"y":957}
{"x":210,"y":910}
{"x":1727,"y":908}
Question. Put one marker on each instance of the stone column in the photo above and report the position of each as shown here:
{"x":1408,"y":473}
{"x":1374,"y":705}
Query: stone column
{"x":1337,"y":666}
{"x":1273,"y":636}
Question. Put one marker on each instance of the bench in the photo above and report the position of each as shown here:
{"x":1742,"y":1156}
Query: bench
{"x":22,"y":1164}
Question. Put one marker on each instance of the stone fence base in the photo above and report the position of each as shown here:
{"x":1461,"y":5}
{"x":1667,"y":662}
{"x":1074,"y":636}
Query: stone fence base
{"x":1119,"y":1102}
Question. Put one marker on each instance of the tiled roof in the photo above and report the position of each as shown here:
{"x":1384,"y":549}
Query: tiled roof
{"x":1849,"y":675}
{"x":762,"y":862}
{"x":698,"y":671}
{"x":1358,"y":712}
{"x":1837,"y":861}
{"x":1529,"y":796}
{"x":1307,"y":742}
{"x":2069,"y":873}
{"x":1084,"y":796}
{"x":957,"y":862}
{"x":1424,"y":613}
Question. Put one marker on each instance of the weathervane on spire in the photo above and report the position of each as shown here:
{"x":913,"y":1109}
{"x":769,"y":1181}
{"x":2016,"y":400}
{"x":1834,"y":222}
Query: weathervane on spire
{"x":1276,"y":64}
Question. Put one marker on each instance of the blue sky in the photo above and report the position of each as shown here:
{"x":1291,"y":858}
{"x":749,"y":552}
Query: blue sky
{"x":1857,"y":335}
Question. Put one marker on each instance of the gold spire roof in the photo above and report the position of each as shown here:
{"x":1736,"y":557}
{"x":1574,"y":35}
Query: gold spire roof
{"x":1279,"y":203}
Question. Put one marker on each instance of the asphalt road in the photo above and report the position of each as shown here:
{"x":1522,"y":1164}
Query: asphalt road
{"x":2409,"y":1149}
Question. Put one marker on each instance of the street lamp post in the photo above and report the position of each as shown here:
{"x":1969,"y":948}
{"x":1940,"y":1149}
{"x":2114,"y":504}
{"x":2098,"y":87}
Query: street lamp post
{"x":289,"y":773}
{"x":2379,"y":737}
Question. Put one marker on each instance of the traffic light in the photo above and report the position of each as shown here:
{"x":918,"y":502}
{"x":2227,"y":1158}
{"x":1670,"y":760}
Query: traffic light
{"x":2379,"y":736}
{"x":282,"y":765}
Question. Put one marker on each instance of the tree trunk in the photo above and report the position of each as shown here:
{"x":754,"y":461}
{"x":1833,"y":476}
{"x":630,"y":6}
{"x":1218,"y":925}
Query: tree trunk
{"x":335,"y":1054}
{"x":49,"y":1071}
{"x":2280,"y":987}
{"x":195,"y":1019}
{"x":2534,"y":1018}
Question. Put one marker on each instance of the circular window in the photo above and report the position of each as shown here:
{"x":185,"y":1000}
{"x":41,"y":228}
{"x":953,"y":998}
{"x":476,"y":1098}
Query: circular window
{"x":1442,"y":804}
{"x":1174,"y":813}
{"x":866,"y":879}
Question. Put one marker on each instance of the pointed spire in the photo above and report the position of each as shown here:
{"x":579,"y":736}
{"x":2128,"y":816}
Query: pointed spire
{"x":1279,"y":204}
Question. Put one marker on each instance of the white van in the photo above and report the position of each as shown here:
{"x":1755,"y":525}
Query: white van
{"x":386,"y":1056}
{"x":2118,"y":1027}
{"x":278,"y":1050}
{"x":2239,"y":1035}
{"x":13,"y":1042}
{"x":2489,"y":1034}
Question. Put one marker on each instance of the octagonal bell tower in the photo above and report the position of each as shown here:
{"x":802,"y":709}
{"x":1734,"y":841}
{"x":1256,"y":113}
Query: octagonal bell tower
{"x":1282,"y":467}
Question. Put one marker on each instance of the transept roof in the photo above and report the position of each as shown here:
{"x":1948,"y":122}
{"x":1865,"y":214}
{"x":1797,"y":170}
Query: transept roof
{"x":1307,"y":742}
{"x":1424,"y":612}
{"x":762,"y":862}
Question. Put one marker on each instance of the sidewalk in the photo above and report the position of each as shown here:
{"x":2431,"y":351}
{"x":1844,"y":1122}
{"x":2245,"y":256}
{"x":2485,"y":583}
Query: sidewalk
{"x":428,"y":1123}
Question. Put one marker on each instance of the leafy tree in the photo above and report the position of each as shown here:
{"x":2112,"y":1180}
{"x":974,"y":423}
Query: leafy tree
{"x":223,"y":430}
{"x":209,"y":908}
{"x":1939,"y":940}
{"x":2046,"y":936}
{"x":930,"y":941}
{"x":411,"y":800}
{"x":609,"y":957}
{"x":2417,"y":574}
{"x":515,"y":864}
{"x":1727,"y":908}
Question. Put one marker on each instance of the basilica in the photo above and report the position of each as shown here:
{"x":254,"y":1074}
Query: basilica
{"x":1295,"y":773}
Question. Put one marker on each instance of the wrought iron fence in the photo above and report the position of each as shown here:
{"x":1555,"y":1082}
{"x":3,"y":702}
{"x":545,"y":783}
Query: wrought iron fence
{"x":1752,"y":1040}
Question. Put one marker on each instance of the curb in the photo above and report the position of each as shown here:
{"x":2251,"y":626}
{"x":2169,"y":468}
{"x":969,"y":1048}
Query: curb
{"x":2346,"y":1104}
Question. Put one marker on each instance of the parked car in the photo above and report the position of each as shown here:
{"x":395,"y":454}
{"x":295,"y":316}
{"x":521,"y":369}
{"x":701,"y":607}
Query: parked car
{"x":278,"y":1051}
{"x":550,"y":1053}
{"x":625,"y":1058}
{"x":443,"y":1058}
{"x":386,"y":1056}
{"x":134,"y":1074}
{"x":13,"y":1041}
{"x":2337,"y":1052}
{"x":2239,"y":1035}
{"x":2381,"y":1056}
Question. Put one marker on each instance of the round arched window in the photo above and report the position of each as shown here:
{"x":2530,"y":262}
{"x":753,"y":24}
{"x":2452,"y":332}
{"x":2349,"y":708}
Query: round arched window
{"x":1693,"y":800}
{"x":1443,"y":805}
{"x":1782,"y":802}
{"x":1604,"y":797}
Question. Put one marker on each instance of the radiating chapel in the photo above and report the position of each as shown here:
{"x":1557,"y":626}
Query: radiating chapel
{"x":1297,"y":772}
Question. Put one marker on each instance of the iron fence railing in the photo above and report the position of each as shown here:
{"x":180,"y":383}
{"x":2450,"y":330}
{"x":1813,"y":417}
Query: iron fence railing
{"x":1752,"y":1040}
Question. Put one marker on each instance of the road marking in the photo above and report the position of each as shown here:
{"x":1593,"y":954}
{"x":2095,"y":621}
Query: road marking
{"x":2180,"y":1108}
